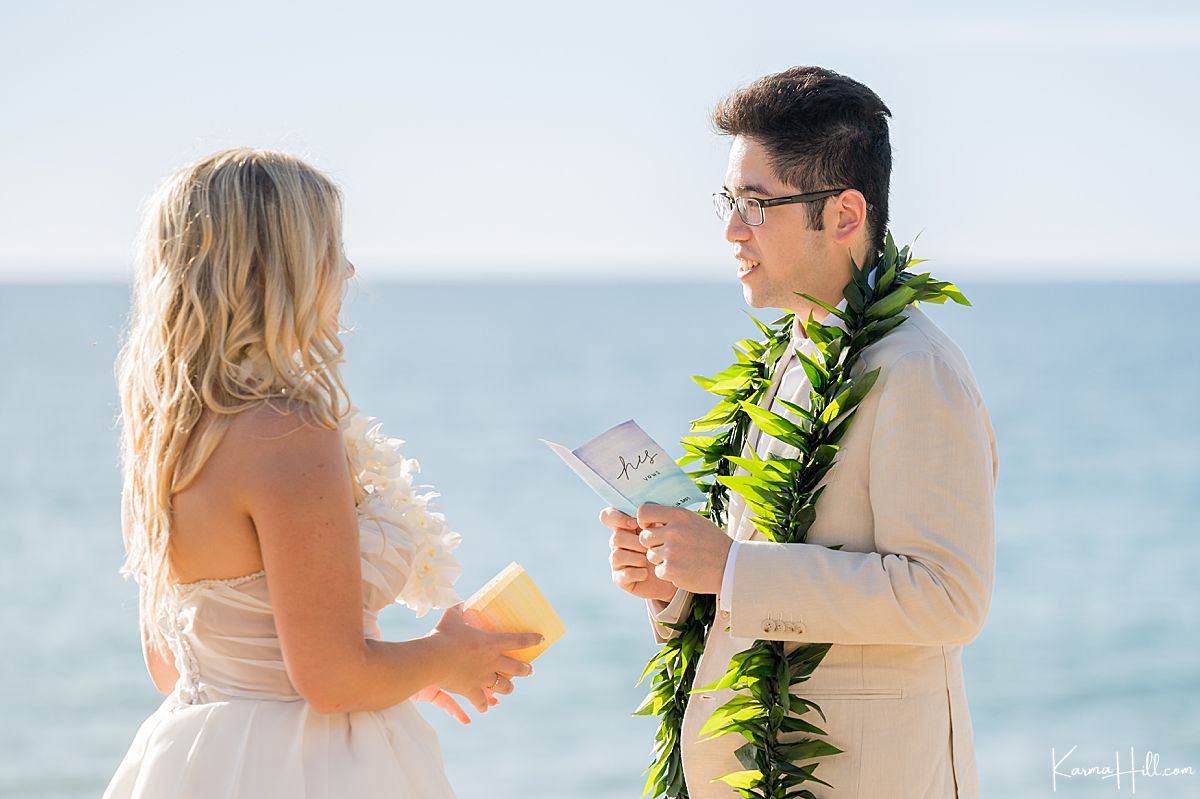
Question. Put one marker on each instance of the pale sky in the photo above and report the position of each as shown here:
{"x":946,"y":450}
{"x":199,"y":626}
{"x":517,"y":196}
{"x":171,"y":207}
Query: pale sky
{"x":557,"y":140}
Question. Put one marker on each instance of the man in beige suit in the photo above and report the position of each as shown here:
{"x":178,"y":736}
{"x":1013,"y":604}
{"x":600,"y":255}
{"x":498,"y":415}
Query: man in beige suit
{"x":910,"y":497}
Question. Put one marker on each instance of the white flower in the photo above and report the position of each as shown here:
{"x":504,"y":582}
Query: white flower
{"x":417,"y":538}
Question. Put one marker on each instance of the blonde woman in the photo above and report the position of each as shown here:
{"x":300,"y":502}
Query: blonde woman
{"x":267,"y":523}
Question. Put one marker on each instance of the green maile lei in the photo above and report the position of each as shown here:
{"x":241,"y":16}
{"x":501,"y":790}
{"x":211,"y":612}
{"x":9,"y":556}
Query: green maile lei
{"x":782,"y":493}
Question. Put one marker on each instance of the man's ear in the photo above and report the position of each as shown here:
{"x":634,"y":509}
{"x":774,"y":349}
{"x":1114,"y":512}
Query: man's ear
{"x":846,"y":216}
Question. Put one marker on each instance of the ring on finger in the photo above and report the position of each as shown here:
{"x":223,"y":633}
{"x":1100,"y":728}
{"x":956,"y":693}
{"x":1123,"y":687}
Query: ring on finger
{"x":495,"y":683}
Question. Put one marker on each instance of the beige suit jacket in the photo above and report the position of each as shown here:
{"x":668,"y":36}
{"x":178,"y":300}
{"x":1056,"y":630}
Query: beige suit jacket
{"x":911,"y":499}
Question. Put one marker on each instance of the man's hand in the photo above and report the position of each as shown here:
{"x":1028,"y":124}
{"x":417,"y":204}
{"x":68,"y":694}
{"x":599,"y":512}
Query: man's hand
{"x":685,"y":548}
{"x":631,"y":572}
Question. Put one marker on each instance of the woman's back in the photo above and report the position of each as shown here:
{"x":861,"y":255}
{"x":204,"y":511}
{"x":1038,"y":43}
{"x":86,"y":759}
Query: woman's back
{"x":212,"y":534}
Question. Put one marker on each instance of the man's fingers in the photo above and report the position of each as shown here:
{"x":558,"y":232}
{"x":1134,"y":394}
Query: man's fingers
{"x":624,"y":539}
{"x":655,"y":556}
{"x":627,"y":578}
{"x":620,"y":558}
{"x":616,"y":520}
{"x":652,"y":537}
{"x":650,"y":513}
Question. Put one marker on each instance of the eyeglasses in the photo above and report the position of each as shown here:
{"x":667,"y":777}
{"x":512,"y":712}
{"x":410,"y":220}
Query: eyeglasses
{"x":750,"y":209}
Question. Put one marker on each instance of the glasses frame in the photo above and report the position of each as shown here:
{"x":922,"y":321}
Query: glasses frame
{"x":739,"y":203}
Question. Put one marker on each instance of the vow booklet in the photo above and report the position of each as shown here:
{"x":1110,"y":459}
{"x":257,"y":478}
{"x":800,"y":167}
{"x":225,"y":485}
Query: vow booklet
{"x":511,"y":603}
{"x":627,"y":468}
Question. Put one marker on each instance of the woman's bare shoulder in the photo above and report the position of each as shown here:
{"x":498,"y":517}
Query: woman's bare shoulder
{"x":279,"y":438}
{"x":277,"y":421}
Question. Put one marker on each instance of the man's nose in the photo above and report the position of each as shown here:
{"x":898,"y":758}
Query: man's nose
{"x":735,"y":229}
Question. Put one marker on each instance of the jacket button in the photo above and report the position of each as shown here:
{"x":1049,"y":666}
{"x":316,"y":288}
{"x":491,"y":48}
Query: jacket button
{"x":768,"y":626}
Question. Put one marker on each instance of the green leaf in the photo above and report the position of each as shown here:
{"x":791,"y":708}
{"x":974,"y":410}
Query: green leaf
{"x":767,"y":471}
{"x":951,"y":291}
{"x":751,"y":347}
{"x":770,"y":422}
{"x":893,"y":303}
{"x":854,"y":297}
{"x":852,"y":393}
{"x":654,"y":663}
{"x":840,"y":314}
{"x":652,"y":705}
{"x":806,"y":750}
{"x":657,"y":769}
{"x":750,"y":487}
{"x":731,"y":385}
{"x":740,"y":708}
{"x":817,"y":374}
{"x":880,"y":328}
{"x":747,"y":755}
{"x":720,"y":415}
{"x":803,"y":773}
{"x":796,"y":409}
{"x":749,"y":778}
{"x":793,"y":724}
{"x":766,"y":331}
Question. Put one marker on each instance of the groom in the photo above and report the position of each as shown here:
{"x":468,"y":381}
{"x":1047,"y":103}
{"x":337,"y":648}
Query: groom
{"x":910,"y":497}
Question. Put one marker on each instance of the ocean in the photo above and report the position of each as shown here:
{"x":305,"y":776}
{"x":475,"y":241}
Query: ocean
{"x":1092,"y":644}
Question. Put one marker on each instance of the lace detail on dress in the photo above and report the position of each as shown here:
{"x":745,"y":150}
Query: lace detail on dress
{"x":229,"y":581}
{"x":188,"y":686}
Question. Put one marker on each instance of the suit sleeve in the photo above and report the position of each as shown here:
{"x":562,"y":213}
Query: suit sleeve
{"x":671,"y":614}
{"x":932,"y":475}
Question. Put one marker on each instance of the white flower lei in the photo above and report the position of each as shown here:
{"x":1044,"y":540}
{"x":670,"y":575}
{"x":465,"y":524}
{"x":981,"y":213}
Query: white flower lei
{"x":392,"y":506}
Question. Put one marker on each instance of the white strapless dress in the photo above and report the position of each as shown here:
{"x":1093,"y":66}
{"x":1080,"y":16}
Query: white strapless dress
{"x":235,"y":727}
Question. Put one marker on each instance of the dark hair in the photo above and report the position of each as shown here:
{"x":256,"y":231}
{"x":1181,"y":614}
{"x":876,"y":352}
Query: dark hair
{"x":821,"y":130}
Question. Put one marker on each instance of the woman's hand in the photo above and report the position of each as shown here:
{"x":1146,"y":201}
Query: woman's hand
{"x":439,"y":698}
{"x":477,"y":669}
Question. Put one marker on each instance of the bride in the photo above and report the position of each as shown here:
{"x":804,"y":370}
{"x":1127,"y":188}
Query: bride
{"x":267,"y":523}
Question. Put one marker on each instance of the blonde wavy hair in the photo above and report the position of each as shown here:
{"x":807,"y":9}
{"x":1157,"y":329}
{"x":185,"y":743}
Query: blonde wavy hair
{"x":238,"y":281}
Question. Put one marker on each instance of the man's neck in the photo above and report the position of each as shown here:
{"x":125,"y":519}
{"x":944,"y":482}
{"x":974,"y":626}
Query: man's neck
{"x":800,"y":317}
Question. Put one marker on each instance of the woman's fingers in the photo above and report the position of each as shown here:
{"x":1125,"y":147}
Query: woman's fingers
{"x":453,"y":709}
{"x":513,"y":667}
{"x":507,"y":642}
{"x":479,"y":699}
{"x":502,"y":686}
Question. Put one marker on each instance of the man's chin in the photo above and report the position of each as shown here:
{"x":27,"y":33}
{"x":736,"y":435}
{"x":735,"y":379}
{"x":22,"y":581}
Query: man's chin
{"x":754,"y":299}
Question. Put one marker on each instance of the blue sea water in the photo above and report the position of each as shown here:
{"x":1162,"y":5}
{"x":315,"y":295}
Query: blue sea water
{"x":1092,"y":641}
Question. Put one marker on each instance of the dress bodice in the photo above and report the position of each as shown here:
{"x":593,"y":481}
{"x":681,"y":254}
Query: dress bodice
{"x":222,"y":632}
